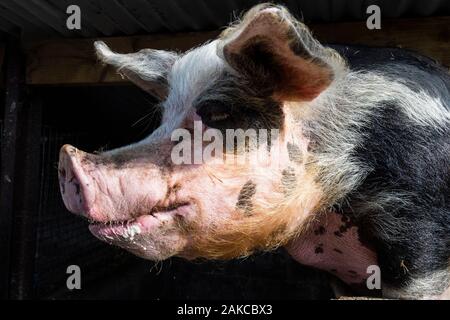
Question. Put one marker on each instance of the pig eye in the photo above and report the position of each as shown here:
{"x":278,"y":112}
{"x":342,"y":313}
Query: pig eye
{"x":219,"y":116}
{"x":215,"y":115}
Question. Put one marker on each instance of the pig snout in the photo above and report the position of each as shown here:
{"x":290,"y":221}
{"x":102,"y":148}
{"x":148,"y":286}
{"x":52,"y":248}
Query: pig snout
{"x":74,"y":184}
{"x":92,"y":186}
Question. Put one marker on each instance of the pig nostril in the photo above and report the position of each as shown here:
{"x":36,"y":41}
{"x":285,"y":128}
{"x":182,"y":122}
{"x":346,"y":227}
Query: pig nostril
{"x":77,"y":188}
{"x":62,"y":173}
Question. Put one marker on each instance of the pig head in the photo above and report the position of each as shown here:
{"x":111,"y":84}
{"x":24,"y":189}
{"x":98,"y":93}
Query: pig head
{"x":261,"y":73}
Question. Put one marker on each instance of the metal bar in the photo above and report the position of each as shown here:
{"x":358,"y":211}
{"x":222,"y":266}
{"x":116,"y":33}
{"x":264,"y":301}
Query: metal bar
{"x":15,"y":79}
{"x":27,"y":184}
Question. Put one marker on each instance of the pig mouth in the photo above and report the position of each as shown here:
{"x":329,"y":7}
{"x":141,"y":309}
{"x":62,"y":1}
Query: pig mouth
{"x":129,"y":228}
{"x":171,"y":209}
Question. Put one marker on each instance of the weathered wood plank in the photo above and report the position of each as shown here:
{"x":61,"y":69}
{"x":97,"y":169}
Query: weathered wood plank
{"x":72,"y":62}
{"x":429,"y":36}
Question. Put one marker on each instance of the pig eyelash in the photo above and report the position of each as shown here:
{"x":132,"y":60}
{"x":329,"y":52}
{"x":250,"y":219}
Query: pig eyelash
{"x":219,"y":116}
{"x":214,"y":113}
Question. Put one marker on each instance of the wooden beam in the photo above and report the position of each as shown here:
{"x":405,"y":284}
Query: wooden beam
{"x":72,"y":62}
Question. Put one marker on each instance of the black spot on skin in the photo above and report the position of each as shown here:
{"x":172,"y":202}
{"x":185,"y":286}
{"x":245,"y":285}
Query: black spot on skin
{"x":244,"y":199}
{"x":346,"y":225}
{"x":288,"y":179}
{"x":338,"y":234}
{"x":353,"y":274}
{"x":337,"y":250}
{"x":318,"y":250}
{"x":320,"y":231}
{"x":295,"y":153}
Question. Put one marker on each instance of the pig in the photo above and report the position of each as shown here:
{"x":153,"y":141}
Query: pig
{"x":362,"y":173}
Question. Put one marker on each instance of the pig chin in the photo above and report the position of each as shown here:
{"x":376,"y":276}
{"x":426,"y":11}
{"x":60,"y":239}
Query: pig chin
{"x":146,"y":237}
{"x":152,"y":237}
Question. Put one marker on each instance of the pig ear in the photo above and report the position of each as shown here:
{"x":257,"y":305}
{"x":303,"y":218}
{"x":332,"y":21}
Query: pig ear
{"x":277,"y":53}
{"x":147,"y":68}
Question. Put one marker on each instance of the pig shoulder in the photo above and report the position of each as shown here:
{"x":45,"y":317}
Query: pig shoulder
{"x":402,"y":201}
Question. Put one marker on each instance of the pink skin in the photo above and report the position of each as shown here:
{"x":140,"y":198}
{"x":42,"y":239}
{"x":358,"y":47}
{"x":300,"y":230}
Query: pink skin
{"x":330,"y":246}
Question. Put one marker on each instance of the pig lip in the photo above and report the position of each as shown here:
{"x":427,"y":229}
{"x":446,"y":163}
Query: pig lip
{"x":127,"y":231}
{"x":107,"y":230}
{"x":112,"y":231}
{"x":172,"y":208}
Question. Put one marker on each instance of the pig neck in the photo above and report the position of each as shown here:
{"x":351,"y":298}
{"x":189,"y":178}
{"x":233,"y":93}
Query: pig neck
{"x":332,"y":244}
